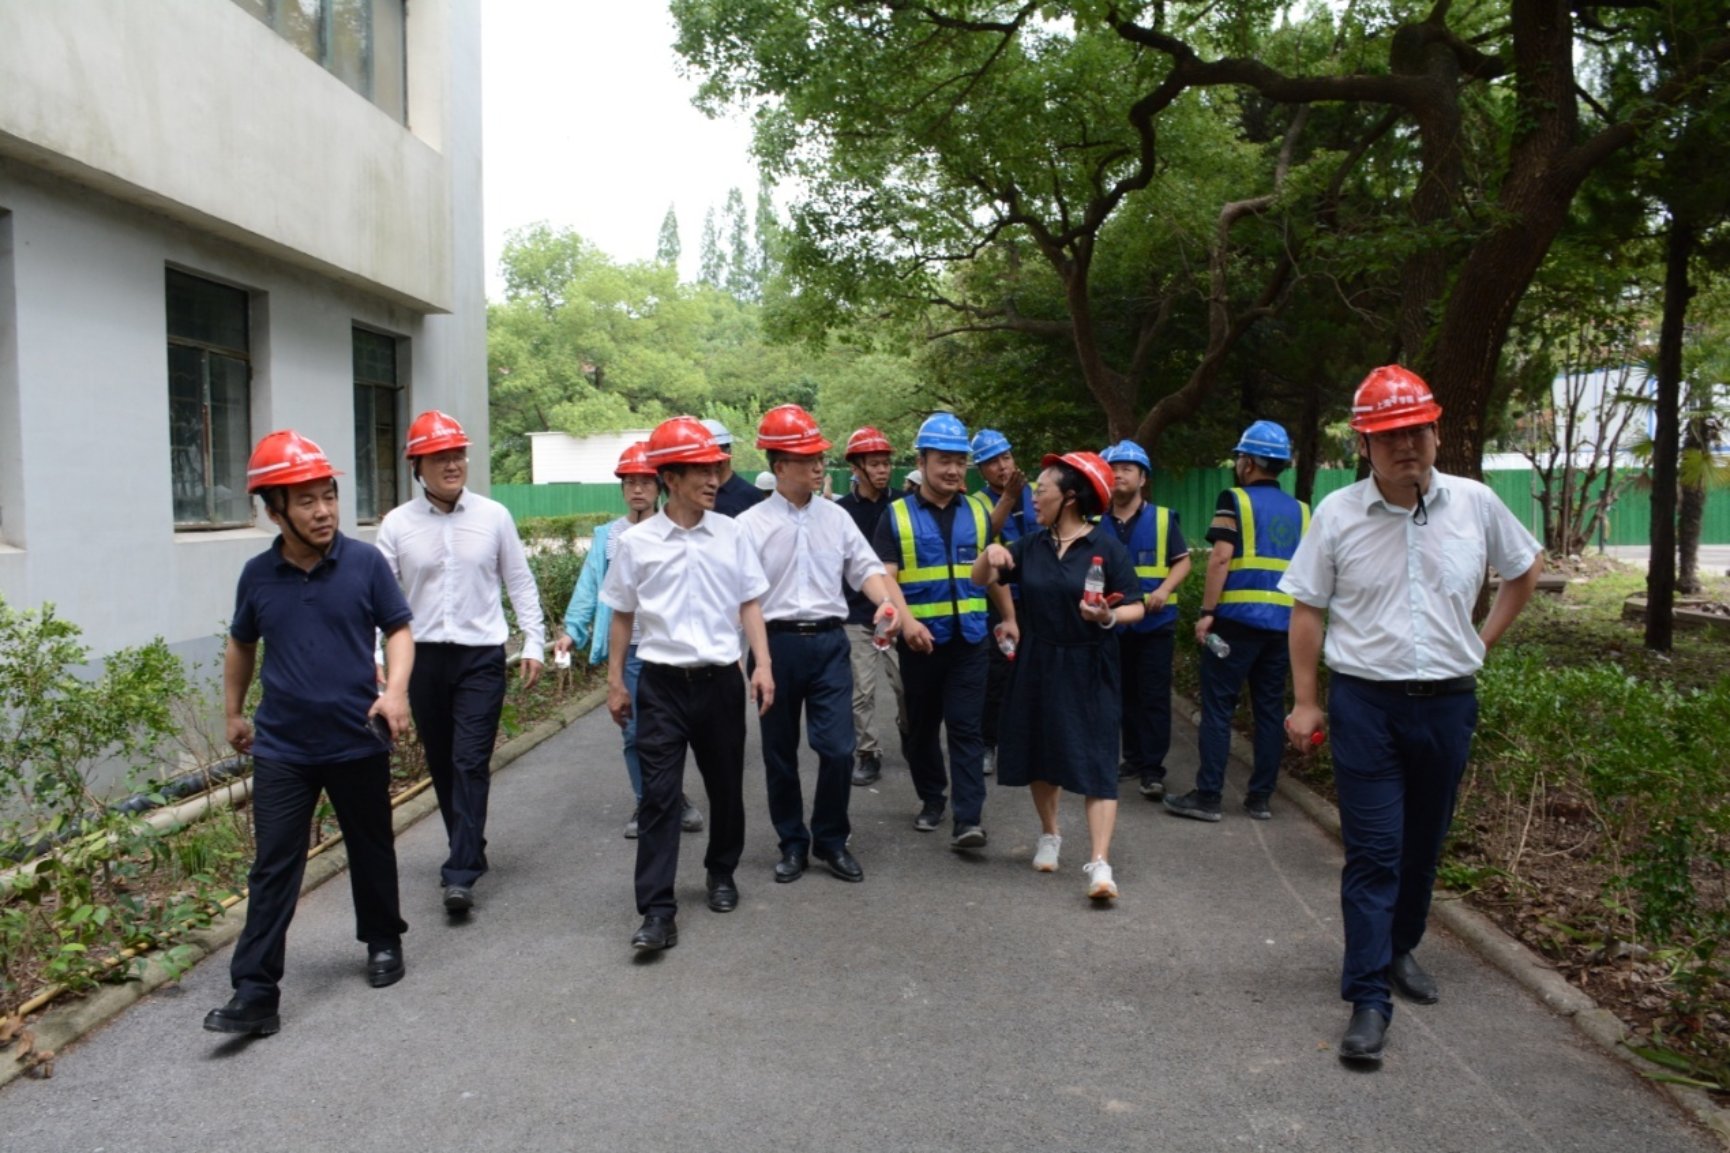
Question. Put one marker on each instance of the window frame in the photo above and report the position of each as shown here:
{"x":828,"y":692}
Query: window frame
{"x":377,"y":391}
{"x":207,"y":446}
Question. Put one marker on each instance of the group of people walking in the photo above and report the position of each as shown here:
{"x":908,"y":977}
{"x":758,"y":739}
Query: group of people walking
{"x":1027,"y":630}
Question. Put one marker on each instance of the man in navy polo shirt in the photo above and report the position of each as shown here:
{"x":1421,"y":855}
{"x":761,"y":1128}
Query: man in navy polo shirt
{"x":315,"y":598}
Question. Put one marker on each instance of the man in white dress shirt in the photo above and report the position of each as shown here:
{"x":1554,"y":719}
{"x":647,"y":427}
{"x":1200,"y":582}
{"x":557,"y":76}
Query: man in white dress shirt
{"x":690,"y":579}
{"x":451,"y":549}
{"x":1396,"y":562}
{"x":811,"y":551}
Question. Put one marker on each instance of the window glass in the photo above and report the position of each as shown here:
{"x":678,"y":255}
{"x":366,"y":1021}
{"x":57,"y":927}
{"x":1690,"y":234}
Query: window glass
{"x":230,"y":437}
{"x":351,"y":43}
{"x":206,"y":312}
{"x":209,"y":401}
{"x":361,"y":42}
{"x":301,"y":23}
{"x":377,"y":443}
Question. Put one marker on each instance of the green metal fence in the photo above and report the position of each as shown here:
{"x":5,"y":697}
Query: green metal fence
{"x":1191,"y":492}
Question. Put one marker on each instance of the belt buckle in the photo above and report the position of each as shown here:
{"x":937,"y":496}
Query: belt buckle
{"x":1420,"y":688}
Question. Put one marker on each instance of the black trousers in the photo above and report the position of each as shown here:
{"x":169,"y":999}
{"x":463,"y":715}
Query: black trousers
{"x":456,"y":694}
{"x":284,"y":797}
{"x":997,"y":670}
{"x":946,"y":690}
{"x":1145,"y":659}
{"x":703,"y":710}
{"x":813,"y":676}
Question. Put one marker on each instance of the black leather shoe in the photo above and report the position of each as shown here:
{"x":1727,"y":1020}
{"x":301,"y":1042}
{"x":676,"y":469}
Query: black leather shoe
{"x":723,"y":894}
{"x":967,"y":837}
{"x":459,"y":899}
{"x":930,"y":816}
{"x":790,"y":867}
{"x":658,"y":932}
{"x":690,"y":816}
{"x":1409,"y":978}
{"x":244,"y":1017}
{"x":1362,"y":1044}
{"x":842,"y":864}
{"x":384,"y":967}
{"x":869,"y":770}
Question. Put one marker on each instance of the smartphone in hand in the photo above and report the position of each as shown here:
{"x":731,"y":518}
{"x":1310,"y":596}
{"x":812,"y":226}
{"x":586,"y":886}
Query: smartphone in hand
{"x":381,"y":729}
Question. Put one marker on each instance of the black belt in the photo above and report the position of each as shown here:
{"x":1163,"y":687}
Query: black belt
{"x":1445,"y":688}
{"x":688,"y":672}
{"x":805,"y":628}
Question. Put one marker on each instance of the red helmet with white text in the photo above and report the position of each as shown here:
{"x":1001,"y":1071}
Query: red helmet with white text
{"x":1393,"y":397}
{"x":286,"y":457}
{"x":865,"y":441}
{"x":434,"y":432}
{"x":682,"y":440}
{"x":789,"y":428}
{"x":634,"y":461}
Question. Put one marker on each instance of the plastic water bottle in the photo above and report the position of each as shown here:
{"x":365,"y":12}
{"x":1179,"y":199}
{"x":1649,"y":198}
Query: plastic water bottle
{"x":1093,"y":589}
{"x":1217,"y":646}
{"x":880,"y":635}
{"x":1005,"y":643}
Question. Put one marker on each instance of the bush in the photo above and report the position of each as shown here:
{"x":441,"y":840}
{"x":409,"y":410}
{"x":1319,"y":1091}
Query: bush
{"x":565,"y":531}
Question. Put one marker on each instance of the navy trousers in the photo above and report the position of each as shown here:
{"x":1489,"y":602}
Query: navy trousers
{"x":1397,"y":766}
{"x":702,"y":710}
{"x":284,"y":797}
{"x":813,"y":675}
{"x":1261,"y":659}
{"x":946,"y":689}
{"x":456,"y":694}
{"x":1145,"y":659}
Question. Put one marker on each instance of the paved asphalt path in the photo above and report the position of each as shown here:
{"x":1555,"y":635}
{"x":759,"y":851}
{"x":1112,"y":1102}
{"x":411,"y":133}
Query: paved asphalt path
{"x":949,"y":1002}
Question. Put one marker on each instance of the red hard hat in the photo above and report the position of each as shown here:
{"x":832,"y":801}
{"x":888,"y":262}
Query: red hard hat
{"x":432,"y":432}
{"x":790,"y":428}
{"x":682,"y":440}
{"x":1393,"y":397}
{"x":1090,"y":465}
{"x":634,"y":461}
{"x":866,"y":440}
{"x":286,"y":457}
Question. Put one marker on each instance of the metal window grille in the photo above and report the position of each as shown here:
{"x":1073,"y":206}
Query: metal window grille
{"x":209,"y":401}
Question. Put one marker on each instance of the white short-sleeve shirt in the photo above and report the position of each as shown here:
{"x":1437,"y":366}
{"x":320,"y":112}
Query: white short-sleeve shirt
{"x":808,"y":554}
{"x":685,"y":587}
{"x":1399,"y":594}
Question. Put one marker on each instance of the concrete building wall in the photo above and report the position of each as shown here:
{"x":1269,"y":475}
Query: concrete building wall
{"x":86,"y":499}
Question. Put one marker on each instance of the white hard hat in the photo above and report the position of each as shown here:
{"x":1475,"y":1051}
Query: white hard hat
{"x":766,"y":481}
{"x":719,"y":430}
{"x":915,"y":478}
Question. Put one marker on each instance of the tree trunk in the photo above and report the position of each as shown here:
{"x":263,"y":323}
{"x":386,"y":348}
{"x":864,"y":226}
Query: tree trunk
{"x":1691,"y":515}
{"x":1309,"y":443}
{"x":1666,"y":441}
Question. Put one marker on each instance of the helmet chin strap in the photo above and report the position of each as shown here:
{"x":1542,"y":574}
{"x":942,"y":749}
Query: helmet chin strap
{"x":289,"y":527}
{"x":1420,"y":514}
{"x":448,"y":506}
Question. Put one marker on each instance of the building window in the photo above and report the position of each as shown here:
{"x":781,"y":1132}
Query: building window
{"x":209,"y":401}
{"x":360,"y":42}
{"x":377,"y":424}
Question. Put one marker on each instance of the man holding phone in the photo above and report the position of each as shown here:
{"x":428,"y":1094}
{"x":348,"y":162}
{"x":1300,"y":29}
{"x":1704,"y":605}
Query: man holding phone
{"x":315,"y":598}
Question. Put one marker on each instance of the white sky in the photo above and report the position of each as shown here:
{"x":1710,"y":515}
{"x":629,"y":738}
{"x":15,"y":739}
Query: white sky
{"x":587,"y":124}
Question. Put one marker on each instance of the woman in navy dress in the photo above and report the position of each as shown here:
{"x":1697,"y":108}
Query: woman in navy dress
{"x":1060,"y":719}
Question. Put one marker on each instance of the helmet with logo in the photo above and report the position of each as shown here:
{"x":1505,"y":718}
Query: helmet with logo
{"x":634,"y":461}
{"x":1127,"y":452}
{"x":942,"y":432}
{"x":1264,"y":438}
{"x":865,"y":441}
{"x":1091,"y":466}
{"x":682,"y":440}
{"x":433,"y":432}
{"x":1393,"y":397}
{"x":789,"y":428}
{"x":286,"y":457}
{"x":988,"y":444}
{"x":719,"y":432}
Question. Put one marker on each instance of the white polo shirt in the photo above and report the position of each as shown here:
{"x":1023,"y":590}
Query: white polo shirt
{"x":450,"y":566}
{"x":809,"y":553}
{"x":1399,"y":594}
{"x":685,"y":587}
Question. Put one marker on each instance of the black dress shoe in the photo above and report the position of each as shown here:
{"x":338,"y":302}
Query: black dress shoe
{"x":459,"y":899}
{"x":244,"y":1017}
{"x":930,"y":816}
{"x":1362,"y":1044}
{"x":723,"y":894}
{"x":658,"y":932}
{"x":1409,"y":978}
{"x":842,"y":864}
{"x":384,"y":967}
{"x":869,"y":770}
{"x":790,"y":867}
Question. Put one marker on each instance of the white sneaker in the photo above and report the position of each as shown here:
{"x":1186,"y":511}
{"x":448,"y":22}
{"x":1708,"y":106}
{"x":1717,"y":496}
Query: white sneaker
{"x":1100,"y":886}
{"x":1045,"y":856}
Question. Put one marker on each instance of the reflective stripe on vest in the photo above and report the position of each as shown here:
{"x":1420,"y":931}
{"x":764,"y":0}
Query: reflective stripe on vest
{"x":936,"y":593}
{"x":1152,"y":575}
{"x":1252,"y":595}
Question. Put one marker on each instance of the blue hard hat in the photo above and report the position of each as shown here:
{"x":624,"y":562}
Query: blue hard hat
{"x":989,"y":444}
{"x":942,"y":431}
{"x":1127,"y":452}
{"x":1265,"y":438}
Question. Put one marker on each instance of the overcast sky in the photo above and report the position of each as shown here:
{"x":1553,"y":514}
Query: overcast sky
{"x":589,"y":125}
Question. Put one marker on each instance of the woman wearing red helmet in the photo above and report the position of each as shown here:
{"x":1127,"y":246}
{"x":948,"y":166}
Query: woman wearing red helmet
{"x":1396,"y":563}
{"x":1061,"y":717}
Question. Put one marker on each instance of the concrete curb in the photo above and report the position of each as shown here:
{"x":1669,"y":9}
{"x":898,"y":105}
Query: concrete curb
{"x":59,"y":1026}
{"x":1506,"y":953}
